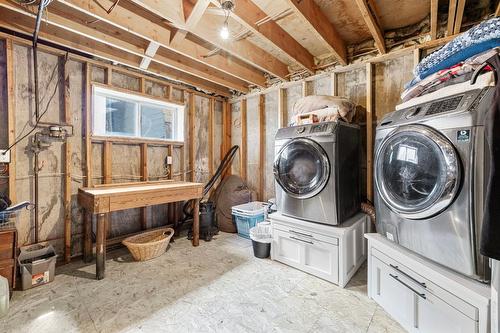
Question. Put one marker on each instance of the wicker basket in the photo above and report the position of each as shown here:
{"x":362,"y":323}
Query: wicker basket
{"x":150,"y":244}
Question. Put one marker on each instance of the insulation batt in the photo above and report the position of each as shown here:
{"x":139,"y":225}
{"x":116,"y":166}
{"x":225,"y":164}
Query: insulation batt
{"x":326,"y":108}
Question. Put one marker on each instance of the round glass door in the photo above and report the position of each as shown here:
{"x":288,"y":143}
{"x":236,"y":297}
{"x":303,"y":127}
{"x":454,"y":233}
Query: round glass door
{"x":302,"y":168}
{"x":417,"y":172}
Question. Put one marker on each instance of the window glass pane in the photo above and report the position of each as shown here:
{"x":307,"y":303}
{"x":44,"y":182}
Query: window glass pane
{"x":120,"y":117}
{"x":157,"y":122}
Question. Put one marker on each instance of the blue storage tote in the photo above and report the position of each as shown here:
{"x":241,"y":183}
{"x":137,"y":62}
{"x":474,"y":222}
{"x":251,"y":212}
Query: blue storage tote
{"x":247,"y":216}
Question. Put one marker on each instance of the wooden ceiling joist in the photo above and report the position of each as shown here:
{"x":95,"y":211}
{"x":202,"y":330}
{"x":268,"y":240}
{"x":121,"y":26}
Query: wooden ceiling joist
{"x":24,"y":23}
{"x":249,"y":14}
{"x":193,"y":11}
{"x":371,"y":23}
{"x":311,"y":13}
{"x":127,"y":20}
{"x":174,"y":62}
{"x":241,"y":49}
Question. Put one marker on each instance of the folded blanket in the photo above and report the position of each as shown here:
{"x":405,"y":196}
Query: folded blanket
{"x":326,"y":108}
{"x":479,"y":38}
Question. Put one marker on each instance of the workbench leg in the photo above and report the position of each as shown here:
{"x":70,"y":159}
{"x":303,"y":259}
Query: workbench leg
{"x":101,"y":245}
{"x":87,"y":236}
{"x":196,"y":223}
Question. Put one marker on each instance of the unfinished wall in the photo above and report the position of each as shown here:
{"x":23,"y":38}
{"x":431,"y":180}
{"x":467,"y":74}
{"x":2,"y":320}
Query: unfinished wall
{"x":272,"y":125}
{"x":236,"y":136}
{"x":125,"y":162}
{"x":253,"y":144}
{"x":293,"y":94}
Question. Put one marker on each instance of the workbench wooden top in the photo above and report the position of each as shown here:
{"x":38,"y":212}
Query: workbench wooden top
{"x":139,"y":187}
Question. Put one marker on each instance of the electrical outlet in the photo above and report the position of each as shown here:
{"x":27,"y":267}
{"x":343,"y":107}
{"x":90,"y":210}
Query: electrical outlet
{"x":4,"y":158}
{"x":169,"y":160}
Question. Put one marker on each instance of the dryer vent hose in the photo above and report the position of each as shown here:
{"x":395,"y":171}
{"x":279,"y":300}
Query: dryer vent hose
{"x":368,"y":209}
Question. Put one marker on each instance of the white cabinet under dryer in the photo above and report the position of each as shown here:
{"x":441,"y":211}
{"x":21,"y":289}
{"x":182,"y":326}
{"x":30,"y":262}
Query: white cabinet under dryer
{"x":331,"y":253}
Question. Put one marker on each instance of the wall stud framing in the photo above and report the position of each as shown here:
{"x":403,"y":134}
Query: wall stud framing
{"x":244,"y":141}
{"x":334,"y":84}
{"x":88,"y":123}
{"x":211,"y":132}
{"x":144,"y":178}
{"x":67,"y":163}
{"x":191,"y":136}
{"x":369,"y":130}
{"x":262,"y":146}
{"x":11,"y":114}
{"x":226,"y":131}
{"x":282,"y":108}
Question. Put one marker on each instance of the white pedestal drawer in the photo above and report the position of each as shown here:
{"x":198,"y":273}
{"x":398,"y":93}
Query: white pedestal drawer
{"x":434,"y":300}
{"x":331,"y":253}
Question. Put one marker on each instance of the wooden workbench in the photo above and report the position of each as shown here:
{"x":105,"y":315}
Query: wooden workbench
{"x":104,"y":199}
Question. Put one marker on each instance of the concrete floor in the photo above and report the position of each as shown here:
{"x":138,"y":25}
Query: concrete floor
{"x":217,"y":287}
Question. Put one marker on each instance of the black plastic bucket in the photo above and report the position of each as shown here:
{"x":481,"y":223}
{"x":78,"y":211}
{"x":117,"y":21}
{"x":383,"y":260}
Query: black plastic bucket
{"x":261,"y":250}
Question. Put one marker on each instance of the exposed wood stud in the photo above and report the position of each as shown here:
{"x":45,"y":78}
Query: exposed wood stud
{"x":211,"y":127}
{"x":305,"y":88}
{"x":416,"y":57}
{"x":11,"y":116}
{"x":191,"y":121}
{"x":142,"y":83}
{"x":67,"y":162}
{"x":321,"y":26}
{"x":144,"y":178}
{"x":452,"y":9}
{"x":369,"y":130}
{"x":244,"y":140}
{"x":226,"y":131}
{"x":434,"y":18}
{"x":108,"y":76}
{"x":282,"y":109}
{"x":334,"y":84}
{"x":497,"y":11}
{"x":372,"y":25}
{"x":106,"y":162}
{"x":88,"y":123}
{"x":262,"y":147}
{"x":459,"y":16}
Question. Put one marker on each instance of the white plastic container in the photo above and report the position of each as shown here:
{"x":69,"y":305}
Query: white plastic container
{"x":4,"y":296}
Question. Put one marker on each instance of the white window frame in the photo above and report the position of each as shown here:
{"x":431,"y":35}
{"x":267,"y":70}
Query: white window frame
{"x":99,"y":114}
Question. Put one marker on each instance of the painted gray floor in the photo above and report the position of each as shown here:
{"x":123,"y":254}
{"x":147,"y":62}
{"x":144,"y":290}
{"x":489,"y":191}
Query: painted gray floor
{"x":216,"y":287}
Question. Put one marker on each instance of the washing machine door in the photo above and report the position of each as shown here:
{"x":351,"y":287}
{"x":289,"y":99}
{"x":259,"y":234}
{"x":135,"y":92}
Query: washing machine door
{"x":417,"y":171}
{"x":301,"y":168}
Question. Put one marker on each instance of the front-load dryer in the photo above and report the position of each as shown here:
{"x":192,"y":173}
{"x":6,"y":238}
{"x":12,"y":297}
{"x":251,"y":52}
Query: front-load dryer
{"x":430,"y":169}
{"x":317,"y":171}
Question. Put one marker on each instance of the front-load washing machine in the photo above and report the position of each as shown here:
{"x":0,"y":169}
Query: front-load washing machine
{"x":430,"y":169}
{"x":317,"y":171}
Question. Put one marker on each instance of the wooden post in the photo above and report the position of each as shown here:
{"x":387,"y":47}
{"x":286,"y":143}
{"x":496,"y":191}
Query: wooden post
{"x":67,"y":165}
{"x":109,"y":76}
{"x":211,"y":126}
{"x":88,"y":124}
{"x":196,"y":222}
{"x":434,"y":18}
{"x":144,"y":178}
{"x":244,"y":140}
{"x":369,"y":131}
{"x":262,"y":147}
{"x":101,"y":245}
{"x":283,"y":112}
{"x":416,"y":57}
{"x":191,"y":136}
{"x":452,"y":9}
{"x":226,"y":130}
{"x":334,"y":84}
{"x":106,"y":162}
{"x":11,"y":116}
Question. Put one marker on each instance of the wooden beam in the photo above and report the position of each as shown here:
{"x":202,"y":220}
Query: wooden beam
{"x":416,"y":57}
{"x":88,"y":127}
{"x":23,"y":22}
{"x":434,"y":18}
{"x":106,"y":162}
{"x":459,"y":16}
{"x":241,"y":49}
{"x":497,"y":11}
{"x":452,"y":9}
{"x":144,"y":178}
{"x":249,"y":14}
{"x":67,"y":161}
{"x":334,"y":84}
{"x":282,"y":110}
{"x":310,"y":12}
{"x":11,"y":116}
{"x":369,"y":131}
{"x":173,"y":61}
{"x":262,"y":147}
{"x":211,"y":127}
{"x":226,"y":131}
{"x":193,"y":11}
{"x":191,"y":120}
{"x":371,"y":23}
{"x":244,"y":140}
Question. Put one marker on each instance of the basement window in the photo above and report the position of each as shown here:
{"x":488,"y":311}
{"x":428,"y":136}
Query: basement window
{"x":127,"y":115}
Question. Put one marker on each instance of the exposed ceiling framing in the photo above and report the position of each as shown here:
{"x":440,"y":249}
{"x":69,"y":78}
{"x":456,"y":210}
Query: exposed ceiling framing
{"x":179,"y":39}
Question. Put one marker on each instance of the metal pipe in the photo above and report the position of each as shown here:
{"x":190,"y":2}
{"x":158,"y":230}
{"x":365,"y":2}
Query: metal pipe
{"x":36,"y":179}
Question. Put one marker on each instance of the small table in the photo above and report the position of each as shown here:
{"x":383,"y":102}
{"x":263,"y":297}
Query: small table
{"x":102,"y":200}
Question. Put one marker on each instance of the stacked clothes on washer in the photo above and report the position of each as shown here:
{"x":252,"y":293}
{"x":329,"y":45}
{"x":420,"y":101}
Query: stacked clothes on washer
{"x":456,"y":61}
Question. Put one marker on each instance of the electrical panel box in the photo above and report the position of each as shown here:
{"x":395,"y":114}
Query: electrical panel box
{"x":169,"y":160}
{"x":4,"y":156}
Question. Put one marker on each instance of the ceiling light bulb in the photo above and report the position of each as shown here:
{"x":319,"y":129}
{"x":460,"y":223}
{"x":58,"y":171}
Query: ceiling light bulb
{"x":224,"y":32}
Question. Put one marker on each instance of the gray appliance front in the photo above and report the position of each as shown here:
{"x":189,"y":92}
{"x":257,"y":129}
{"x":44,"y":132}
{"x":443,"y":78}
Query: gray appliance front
{"x":319,"y":206}
{"x":448,"y":235}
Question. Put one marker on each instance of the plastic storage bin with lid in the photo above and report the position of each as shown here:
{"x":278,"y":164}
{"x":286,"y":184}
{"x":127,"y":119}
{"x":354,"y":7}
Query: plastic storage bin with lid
{"x":246,"y":216}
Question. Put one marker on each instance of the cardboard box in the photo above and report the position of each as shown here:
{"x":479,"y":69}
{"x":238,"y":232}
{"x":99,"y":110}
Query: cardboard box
{"x":37,"y":264}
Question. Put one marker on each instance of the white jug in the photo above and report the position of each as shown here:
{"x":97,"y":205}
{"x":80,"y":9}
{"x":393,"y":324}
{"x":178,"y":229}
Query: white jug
{"x":4,"y":296}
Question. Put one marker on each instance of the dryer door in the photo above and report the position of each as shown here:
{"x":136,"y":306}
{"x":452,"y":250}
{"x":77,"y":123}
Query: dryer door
{"x":302,"y":168}
{"x":417,"y":171}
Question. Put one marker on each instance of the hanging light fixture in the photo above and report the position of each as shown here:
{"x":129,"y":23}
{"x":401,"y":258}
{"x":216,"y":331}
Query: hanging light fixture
{"x":228,"y":7}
